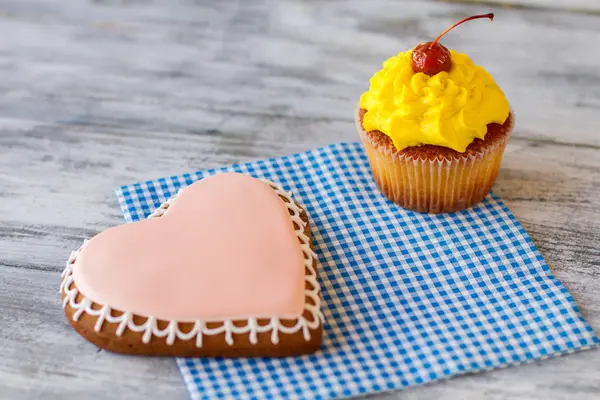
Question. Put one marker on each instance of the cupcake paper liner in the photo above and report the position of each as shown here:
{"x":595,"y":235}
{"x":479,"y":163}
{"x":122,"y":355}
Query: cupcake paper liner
{"x":434,"y":186}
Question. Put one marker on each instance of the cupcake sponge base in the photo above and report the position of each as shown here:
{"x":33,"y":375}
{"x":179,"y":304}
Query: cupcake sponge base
{"x":434,"y":179}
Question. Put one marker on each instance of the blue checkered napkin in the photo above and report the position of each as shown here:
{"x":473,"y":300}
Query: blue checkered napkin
{"x":408,"y":298}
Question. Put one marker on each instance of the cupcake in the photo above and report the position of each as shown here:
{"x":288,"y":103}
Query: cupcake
{"x":434,"y":126}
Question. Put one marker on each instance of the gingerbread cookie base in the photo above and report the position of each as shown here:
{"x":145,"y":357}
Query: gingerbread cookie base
{"x":127,"y":333}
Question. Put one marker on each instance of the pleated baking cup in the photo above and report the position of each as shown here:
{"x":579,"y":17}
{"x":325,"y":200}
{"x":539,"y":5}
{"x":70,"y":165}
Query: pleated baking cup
{"x":438,"y":185}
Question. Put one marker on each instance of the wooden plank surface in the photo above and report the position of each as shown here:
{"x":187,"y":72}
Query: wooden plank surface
{"x":577,"y":6}
{"x":99,"y":94}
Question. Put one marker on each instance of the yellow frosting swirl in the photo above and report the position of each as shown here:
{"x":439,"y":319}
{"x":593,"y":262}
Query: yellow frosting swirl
{"x":448,"y":109}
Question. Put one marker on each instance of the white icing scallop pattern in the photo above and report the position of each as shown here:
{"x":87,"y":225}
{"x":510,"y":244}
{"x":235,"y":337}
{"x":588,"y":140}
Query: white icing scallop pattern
{"x":200,"y":329}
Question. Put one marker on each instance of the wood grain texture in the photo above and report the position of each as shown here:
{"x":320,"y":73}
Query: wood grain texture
{"x":576,"y":6}
{"x":104,"y":93}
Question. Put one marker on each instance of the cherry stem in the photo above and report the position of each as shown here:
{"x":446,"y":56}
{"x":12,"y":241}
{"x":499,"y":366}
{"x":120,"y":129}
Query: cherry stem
{"x":490,"y":16}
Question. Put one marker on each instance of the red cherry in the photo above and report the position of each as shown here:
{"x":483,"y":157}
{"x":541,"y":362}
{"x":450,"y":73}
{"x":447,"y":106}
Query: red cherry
{"x":431,"y":57}
{"x":431,"y":60}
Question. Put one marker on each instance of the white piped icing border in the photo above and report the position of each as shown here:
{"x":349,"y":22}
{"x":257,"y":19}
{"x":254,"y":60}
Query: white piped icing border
{"x":200,"y":328}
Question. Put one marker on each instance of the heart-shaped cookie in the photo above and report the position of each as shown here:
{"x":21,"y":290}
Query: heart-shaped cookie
{"x":225,"y":268}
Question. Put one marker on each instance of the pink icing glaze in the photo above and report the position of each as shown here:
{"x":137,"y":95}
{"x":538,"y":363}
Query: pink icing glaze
{"x":225,"y":249}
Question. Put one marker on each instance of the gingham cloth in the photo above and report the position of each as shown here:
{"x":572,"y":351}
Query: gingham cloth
{"x":408,"y":298}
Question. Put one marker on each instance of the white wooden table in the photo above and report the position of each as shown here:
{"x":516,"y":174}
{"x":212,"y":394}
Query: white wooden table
{"x":98,"y":94}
